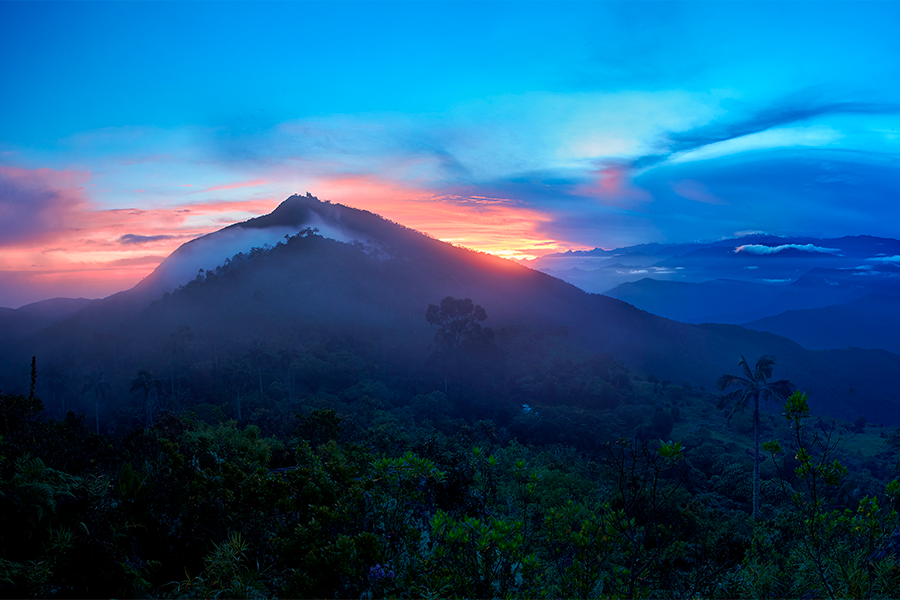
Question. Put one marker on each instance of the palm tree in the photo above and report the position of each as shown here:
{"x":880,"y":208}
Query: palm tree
{"x":753,"y":385}
{"x":148,"y":384}
{"x":96,"y":382}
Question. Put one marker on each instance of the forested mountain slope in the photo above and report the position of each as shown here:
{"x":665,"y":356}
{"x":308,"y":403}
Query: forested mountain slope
{"x":374,"y":288}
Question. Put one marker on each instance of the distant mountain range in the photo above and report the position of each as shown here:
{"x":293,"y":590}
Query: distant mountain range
{"x":370,"y":278}
{"x":19,"y":323}
{"x":778,"y":284}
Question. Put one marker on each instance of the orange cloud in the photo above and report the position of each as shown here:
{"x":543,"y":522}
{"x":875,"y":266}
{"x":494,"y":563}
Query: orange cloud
{"x":498,"y":226}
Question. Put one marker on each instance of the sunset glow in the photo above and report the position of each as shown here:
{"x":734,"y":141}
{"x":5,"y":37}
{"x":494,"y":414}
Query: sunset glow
{"x":570,"y":127}
{"x":498,"y":226}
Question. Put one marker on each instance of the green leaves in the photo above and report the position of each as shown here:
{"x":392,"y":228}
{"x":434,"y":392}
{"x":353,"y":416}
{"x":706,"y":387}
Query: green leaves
{"x":671,"y":451}
{"x":796,"y":407}
{"x":772,"y":447}
{"x":892,"y":490}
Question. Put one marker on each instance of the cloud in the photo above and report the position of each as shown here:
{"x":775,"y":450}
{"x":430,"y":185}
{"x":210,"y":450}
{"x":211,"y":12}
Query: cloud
{"x":779,"y":191}
{"x":138,"y":260}
{"x":35,"y":204}
{"x":884,"y":259}
{"x":798,"y":108}
{"x":612,"y":185}
{"x":486,"y":220}
{"x":761,"y":250}
{"x":131,"y":238}
{"x":787,"y":112}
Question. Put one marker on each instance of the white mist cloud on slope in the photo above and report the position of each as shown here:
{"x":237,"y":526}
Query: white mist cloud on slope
{"x":210,"y":251}
{"x":760,"y":250}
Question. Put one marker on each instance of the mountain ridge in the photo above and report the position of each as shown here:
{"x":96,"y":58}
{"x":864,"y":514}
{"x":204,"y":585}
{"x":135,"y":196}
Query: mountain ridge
{"x":377,"y":289}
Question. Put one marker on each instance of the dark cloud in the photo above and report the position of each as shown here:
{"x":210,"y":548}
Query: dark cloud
{"x":132,"y":238}
{"x":786,"y":191}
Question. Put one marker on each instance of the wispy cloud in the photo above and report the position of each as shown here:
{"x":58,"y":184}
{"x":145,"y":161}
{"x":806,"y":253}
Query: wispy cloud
{"x":761,"y":250}
{"x":796,"y":109}
{"x":137,"y":260}
{"x":131,"y":238}
{"x":884,"y":259}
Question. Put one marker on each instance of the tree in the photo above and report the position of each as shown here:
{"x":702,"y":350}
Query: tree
{"x":96,"y":382}
{"x":148,"y":384}
{"x":457,"y":321}
{"x":458,"y":331}
{"x":180,"y":340}
{"x":286,"y":360}
{"x":753,"y":385}
{"x":259,"y":359}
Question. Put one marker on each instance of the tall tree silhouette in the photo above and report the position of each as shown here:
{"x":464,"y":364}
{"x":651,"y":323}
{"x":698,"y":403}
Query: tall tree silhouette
{"x":286,"y":360}
{"x":149,"y":385}
{"x":752,"y":386}
{"x":456,"y":321}
{"x":238,"y":376}
{"x":179,"y":341}
{"x":459,"y":333}
{"x":259,"y":359}
{"x":96,"y":382}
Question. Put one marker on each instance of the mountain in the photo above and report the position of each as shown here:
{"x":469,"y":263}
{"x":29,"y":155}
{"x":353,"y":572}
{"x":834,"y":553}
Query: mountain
{"x":370,"y":281}
{"x":715,"y":301}
{"x":872,"y":321}
{"x":738,"y":280}
{"x":19,"y":323}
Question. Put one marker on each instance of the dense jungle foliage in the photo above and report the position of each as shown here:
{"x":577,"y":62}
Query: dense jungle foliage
{"x":496,"y":471}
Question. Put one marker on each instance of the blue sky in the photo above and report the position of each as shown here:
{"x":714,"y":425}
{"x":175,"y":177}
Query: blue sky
{"x":516,"y":128}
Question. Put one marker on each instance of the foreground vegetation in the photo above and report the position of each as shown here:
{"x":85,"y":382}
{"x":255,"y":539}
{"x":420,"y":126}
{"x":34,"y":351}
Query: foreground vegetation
{"x":357,"y":491}
{"x":317,"y":462}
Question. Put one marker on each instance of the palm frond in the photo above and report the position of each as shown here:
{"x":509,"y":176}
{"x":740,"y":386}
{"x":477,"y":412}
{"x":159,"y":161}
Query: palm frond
{"x":726,"y":381}
{"x":743,"y":399}
{"x":764,"y":367}
{"x":745,"y":367}
{"x":782,"y":388}
{"x":739,"y":398}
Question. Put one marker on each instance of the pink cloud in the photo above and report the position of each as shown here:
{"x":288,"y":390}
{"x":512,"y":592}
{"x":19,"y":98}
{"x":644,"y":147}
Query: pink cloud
{"x":43,"y":211}
{"x":36,"y":204}
{"x":612,"y":185}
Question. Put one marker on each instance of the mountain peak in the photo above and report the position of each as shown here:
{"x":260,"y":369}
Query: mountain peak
{"x":295,"y":211}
